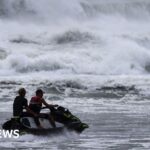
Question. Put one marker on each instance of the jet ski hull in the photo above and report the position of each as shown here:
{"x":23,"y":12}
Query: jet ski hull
{"x":27,"y":125}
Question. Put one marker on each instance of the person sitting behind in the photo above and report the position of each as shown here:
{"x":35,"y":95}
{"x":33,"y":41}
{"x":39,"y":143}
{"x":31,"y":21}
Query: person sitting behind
{"x":36,"y":105}
{"x":21,"y":103}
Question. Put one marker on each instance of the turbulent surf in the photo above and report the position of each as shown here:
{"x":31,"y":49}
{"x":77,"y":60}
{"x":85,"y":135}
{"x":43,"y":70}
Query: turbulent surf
{"x":91,"y":56}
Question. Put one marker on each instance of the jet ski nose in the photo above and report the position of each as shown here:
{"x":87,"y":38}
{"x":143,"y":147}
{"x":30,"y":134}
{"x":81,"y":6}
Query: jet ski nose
{"x":84,"y":126}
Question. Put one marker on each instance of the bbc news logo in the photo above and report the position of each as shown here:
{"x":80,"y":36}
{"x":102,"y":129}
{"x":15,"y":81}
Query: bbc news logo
{"x":9,"y":134}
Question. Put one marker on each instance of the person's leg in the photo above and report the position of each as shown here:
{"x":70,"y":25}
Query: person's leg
{"x":50,"y":118}
{"x":36,"y":119}
{"x":52,"y":121}
{"x":26,"y":114}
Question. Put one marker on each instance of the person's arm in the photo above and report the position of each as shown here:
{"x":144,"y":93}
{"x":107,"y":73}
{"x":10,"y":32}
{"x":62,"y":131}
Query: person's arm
{"x":47,"y":105}
{"x":28,"y":109}
{"x":31,"y":112}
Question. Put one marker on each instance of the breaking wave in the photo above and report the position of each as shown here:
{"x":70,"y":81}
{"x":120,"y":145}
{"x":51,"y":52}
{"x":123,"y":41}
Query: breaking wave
{"x":78,"y":37}
{"x":57,"y":9}
{"x":73,"y":37}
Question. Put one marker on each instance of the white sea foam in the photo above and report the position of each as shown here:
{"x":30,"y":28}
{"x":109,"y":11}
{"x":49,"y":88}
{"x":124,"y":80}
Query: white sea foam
{"x":71,"y":46}
{"x":112,"y":39}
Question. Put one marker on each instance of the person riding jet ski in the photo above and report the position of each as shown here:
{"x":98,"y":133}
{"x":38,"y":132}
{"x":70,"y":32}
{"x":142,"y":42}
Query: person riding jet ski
{"x":36,"y":106}
{"x":20,"y":103}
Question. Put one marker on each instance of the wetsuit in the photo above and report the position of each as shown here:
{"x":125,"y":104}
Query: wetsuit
{"x":19,"y":104}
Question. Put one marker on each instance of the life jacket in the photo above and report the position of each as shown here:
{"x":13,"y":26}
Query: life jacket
{"x":35,"y":104}
{"x":36,"y":100}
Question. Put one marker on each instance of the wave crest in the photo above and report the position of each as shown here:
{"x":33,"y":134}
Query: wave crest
{"x":73,"y":37}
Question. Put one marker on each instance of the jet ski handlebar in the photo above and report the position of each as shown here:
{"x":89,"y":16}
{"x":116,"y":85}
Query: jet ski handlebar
{"x":50,"y":107}
{"x":54,"y":108}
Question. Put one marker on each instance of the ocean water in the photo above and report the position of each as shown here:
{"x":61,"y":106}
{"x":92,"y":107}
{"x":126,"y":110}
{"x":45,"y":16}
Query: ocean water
{"x":92,"y":57}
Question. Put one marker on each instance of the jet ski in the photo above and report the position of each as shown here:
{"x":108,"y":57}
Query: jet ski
{"x":62,"y":116}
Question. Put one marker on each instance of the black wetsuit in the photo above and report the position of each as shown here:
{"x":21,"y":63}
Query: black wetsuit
{"x":19,"y":104}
